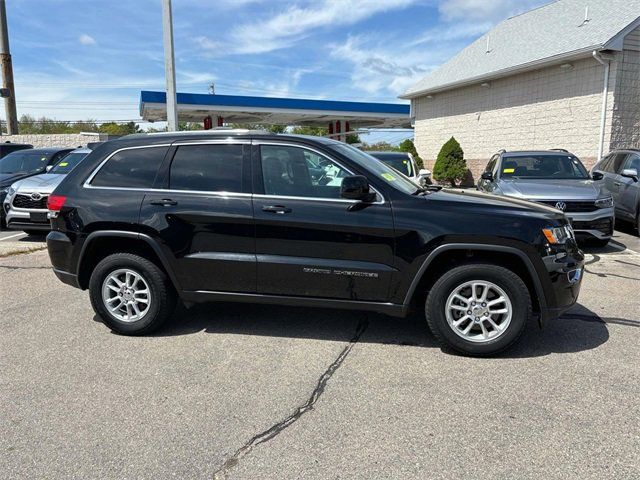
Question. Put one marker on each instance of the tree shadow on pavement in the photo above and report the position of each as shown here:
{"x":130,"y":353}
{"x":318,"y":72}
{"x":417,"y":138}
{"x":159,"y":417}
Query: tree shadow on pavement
{"x":578,"y":330}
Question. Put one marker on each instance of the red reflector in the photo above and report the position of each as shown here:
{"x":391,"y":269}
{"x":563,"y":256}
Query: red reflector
{"x":56,"y":202}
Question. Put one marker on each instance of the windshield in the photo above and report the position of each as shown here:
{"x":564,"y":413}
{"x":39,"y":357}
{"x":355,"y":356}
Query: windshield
{"x":543,"y":166}
{"x":24,"y":162}
{"x":399,"y":161}
{"x":389,"y":175}
{"x":68,"y":163}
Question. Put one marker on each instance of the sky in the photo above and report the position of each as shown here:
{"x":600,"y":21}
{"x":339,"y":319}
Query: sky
{"x":79,"y":59}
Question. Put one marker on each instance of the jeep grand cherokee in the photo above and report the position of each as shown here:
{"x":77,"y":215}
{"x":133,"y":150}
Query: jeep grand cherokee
{"x":281,"y":219}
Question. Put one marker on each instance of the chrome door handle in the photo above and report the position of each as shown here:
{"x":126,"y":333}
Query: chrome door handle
{"x":279,"y":209}
{"x":165,"y":202}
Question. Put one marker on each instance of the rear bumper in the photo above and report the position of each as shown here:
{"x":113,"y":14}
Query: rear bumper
{"x":60,"y":248}
{"x":66,"y":277}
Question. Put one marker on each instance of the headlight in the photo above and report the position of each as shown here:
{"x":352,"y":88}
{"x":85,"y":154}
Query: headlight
{"x":606,"y":202}
{"x":558,"y":235}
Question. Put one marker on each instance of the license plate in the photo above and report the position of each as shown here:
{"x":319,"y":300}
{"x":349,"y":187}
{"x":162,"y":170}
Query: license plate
{"x":38,"y":217}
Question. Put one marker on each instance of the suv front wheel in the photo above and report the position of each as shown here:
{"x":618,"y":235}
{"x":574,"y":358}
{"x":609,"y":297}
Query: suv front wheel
{"x":478,"y":309}
{"x":131,"y":294}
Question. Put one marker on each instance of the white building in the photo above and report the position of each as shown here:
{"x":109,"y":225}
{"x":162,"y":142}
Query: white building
{"x":565,"y":75}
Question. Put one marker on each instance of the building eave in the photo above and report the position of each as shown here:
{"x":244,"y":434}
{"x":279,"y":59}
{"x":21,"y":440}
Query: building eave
{"x":513,"y":70}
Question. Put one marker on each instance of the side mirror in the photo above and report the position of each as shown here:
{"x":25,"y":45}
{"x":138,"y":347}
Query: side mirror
{"x":48,"y":169}
{"x":356,"y":187}
{"x":597,"y":176}
{"x":487,"y":176}
{"x":423,"y":172}
{"x":630,"y":173}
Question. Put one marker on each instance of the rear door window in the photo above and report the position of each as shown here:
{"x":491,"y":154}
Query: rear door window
{"x":208,"y":168}
{"x":132,"y":168}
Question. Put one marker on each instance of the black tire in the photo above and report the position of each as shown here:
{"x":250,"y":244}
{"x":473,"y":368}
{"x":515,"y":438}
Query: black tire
{"x":162,"y":301}
{"x":508,"y":281}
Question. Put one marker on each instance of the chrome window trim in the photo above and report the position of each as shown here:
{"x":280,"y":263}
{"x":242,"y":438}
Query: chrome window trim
{"x":87,"y":182}
{"x":322,"y":154}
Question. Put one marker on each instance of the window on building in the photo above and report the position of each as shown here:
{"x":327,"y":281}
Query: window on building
{"x":133,"y":168}
{"x":209,"y":168}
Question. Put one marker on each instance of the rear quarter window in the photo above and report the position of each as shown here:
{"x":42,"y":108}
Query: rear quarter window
{"x":133,"y":168}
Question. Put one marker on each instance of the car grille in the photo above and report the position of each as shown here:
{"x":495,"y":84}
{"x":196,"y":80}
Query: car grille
{"x":574,"y":207}
{"x":25,"y":201}
{"x":603,"y":225}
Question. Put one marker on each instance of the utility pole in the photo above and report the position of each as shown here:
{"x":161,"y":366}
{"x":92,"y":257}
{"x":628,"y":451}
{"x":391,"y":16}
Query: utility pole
{"x":169,"y":66}
{"x":9,"y":91}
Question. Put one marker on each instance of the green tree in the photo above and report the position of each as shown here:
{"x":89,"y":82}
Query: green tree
{"x":113,"y":128}
{"x":380,"y":147}
{"x":409,"y":147}
{"x":307,"y":130}
{"x":450,"y":165}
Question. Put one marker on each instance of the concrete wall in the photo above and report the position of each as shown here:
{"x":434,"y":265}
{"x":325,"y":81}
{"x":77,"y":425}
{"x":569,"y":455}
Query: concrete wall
{"x":626,"y":111}
{"x":547,"y":108}
{"x":59,"y":140}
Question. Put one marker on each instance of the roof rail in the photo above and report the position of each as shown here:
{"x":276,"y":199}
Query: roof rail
{"x":213,"y":131}
{"x":559,"y":150}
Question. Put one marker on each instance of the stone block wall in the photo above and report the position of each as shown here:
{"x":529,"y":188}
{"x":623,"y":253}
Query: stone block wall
{"x":57,"y":140}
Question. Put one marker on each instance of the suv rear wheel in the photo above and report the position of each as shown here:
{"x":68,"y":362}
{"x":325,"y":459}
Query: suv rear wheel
{"x":131,"y":294}
{"x":478,"y":309}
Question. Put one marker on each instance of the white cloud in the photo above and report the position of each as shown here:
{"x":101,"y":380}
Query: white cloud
{"x":85,"y":39}
{"x":380,"y":70}
{"x":296,"y":22}
{"x":484,"y":10}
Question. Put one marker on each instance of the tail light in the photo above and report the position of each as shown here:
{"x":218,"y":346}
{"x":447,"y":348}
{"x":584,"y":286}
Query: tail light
{"x":56,"y":202}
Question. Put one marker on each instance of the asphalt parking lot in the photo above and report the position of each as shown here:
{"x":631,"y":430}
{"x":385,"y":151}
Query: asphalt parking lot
{"x":240,"y":391}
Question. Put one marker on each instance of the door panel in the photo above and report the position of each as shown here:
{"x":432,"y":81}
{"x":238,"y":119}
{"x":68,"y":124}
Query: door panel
{"x":629,"y":189}
{"x":209,"y":234}
{"x":312,"y":246}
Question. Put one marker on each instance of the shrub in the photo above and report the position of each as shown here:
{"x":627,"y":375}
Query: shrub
{"x":408,"y":146}
{"x":450,"y":165}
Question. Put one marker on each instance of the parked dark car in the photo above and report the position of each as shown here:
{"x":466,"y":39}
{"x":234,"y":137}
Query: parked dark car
{"x":25,"y":163}
{"x":7,"y":147}
{"x":621,"y":169}
{"x":236,"y":216}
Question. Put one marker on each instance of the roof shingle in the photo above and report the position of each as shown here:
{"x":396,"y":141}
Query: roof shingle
{"x":549,"y":33}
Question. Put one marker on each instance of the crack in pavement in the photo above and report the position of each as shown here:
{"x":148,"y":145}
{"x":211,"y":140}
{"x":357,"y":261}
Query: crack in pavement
{"x":277,"y":428}
{"x":10,"y":267}
{"x":598,"y":319}
{"x":607,"y":274}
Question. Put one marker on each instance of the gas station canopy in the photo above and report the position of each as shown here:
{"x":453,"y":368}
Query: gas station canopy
{"x":218,"y":109}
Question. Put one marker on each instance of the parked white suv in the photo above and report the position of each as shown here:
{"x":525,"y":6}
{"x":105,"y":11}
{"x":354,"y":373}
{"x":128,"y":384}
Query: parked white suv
{"x":405,"y":164}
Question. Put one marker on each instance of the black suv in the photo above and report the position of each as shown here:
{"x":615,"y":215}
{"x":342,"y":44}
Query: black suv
{"x":281,"y":219}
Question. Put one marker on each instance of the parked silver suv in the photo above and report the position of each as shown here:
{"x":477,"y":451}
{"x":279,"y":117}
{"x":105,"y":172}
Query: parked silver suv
{"x":25,"y":205}
{"x":556,"y":178}
{"x":621,"y":169}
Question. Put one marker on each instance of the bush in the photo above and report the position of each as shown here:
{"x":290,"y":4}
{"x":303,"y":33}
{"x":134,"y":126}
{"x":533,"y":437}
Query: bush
{"x":450,"y":165}
{"x":409,"y":147}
